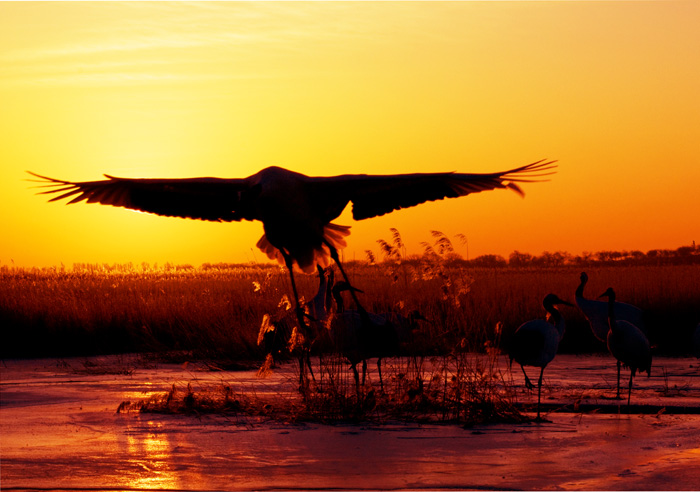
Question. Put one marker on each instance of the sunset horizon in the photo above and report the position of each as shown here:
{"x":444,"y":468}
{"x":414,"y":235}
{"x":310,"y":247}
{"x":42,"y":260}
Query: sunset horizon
{"x":163,"y":90}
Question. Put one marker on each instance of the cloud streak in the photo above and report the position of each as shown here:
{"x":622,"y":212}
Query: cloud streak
{"x":209,"y":37}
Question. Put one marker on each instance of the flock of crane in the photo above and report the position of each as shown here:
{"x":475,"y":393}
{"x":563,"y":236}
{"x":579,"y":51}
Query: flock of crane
{"x":296,"y":212}
{"x":359,"y":336}
{"x":618,"y":324}
{"x":356,"y":334}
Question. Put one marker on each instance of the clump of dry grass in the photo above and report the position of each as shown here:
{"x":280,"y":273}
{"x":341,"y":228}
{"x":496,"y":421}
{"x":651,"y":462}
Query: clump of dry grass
{"x":219,"y":399}
{"x":461,"y":388}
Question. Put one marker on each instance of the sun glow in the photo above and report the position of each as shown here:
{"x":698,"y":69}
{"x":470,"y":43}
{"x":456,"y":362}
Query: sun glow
{"x":225,"y":89}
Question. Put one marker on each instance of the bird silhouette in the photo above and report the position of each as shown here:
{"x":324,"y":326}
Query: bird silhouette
{"x":596,"y":312}
{"x":296,"y":210}
{"x":696,"y":341}
{"x":627,"y":343}
{"x":535,"y":343}
{"x":359,"y":336}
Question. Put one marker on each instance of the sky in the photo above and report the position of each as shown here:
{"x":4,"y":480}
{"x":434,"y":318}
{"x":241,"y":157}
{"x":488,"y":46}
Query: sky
{"x":176,"y":90}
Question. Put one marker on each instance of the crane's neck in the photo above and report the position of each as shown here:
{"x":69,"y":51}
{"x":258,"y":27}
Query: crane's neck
{"x":319,"y":300}
{"x":557,"y":318}
{"x":329,"y":292}
{"x":581,"y":286}
{"x":611,"y":311}
{"x":339,"y":303}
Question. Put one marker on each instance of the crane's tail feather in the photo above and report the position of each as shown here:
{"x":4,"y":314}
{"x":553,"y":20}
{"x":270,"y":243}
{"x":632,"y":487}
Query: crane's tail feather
{"x":333,"y":234}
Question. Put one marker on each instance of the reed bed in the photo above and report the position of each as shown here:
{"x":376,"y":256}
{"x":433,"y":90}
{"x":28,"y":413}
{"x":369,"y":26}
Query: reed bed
{"x":216,"y":312}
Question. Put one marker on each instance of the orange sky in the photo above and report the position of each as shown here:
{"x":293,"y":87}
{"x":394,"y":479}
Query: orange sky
{"x":610,"y":89}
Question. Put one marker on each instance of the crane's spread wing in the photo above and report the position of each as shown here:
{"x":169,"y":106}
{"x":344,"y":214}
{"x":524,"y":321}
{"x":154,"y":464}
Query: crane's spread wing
{"x":195,"y":198}
{"x":372,"y":196}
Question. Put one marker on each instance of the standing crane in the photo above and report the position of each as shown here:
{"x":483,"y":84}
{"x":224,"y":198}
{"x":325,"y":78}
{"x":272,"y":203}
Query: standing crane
{"x":596,"y":312}
{"x":359,"y":336}
{"x":296,"y":210}
{"x":627,"y":343}
{"x":535,"y":343}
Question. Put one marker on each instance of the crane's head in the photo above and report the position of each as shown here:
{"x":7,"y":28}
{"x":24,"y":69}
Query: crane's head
{"x":337,"y":291}
{"x":553,"y":300}
{"x":610,"y":294}
{"x":584,"y":277}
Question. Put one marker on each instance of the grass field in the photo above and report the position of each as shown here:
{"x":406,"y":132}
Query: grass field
{"x":216,"y":312}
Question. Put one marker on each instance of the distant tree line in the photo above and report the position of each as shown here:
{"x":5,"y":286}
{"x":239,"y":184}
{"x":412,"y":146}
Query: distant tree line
{"x":394,"y":250}
{"x":442,"y":250}
{"x":684,"y":255}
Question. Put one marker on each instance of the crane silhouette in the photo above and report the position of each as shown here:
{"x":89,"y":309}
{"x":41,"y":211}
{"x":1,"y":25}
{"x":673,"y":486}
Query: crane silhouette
{"x":596,"y":312}
{"x":627,"y":343}
{"x":360,"y":335}
{"x":296,"y":210}
{"x":535,"y":343}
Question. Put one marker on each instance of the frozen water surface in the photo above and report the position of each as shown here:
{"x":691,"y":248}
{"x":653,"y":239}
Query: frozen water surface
{"x":60,"y":430}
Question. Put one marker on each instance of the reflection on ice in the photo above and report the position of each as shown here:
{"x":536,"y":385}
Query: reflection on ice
{"x":150,"y":459}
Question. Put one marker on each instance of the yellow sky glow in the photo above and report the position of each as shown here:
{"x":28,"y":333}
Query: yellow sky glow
{"x":224,"y":89}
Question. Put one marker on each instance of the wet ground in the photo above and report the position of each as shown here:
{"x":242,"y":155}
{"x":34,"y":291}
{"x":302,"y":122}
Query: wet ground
{"x":59,"y":430}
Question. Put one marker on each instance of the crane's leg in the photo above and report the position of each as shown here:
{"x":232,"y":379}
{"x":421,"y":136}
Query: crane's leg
{"x":364,"y":371}
{"x":299,"y":312}
{"x":336,"y":258}
{"x":307,"y":357}
{"x":379,"y":368}
{"x":629,"y":391}
{"x":619,"y":364}
{"x":539,"y":393}
{"x":357,"y":380}
{"x":301,"y":373}
{"x":290,"y":265}
{"x":528,"y":383}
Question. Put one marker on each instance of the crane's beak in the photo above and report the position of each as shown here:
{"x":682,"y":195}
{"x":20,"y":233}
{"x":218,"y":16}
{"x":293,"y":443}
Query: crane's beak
{"x":559,"y":301}
{"x":607,"y":293}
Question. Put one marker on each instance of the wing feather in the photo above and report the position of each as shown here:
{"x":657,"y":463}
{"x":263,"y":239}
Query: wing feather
{"x":372,"y":196}
{"x":213,"y":199}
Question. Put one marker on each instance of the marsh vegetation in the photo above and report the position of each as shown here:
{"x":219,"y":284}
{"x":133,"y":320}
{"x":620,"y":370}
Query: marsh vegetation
{"x":214,"y":313}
